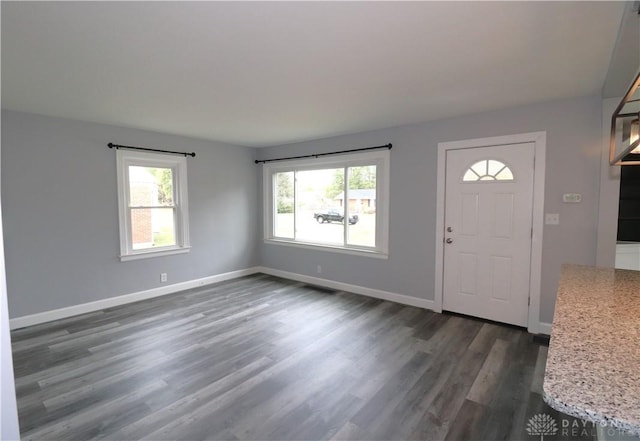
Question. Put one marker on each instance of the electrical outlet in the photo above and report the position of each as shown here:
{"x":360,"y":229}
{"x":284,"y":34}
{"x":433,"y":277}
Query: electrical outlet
{"x":319,"y":269}
{"x":163,"y":277}
{"x":552,"y":219}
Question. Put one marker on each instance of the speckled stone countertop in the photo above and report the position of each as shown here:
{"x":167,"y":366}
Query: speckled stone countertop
{"x":593,"y":365}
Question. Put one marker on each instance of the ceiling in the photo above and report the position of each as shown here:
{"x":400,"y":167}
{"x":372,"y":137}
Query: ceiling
{"x":269,"y":73}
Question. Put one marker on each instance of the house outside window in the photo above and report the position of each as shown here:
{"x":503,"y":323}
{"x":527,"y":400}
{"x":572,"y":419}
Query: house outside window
{"x":359,"y":199}
{"x":153,"y":206}
{"x":305,"y":204}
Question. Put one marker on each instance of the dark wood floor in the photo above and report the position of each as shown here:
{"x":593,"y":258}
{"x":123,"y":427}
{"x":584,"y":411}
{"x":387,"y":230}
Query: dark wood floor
{"x":262,"y":358}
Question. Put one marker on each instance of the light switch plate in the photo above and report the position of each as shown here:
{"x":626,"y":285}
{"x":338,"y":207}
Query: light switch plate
{"x":572,"y":198}
{"x":552,"y":219}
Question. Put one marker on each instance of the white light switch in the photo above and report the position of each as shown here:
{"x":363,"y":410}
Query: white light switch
{"x":572,"y":198}
{"x":552,"y":219}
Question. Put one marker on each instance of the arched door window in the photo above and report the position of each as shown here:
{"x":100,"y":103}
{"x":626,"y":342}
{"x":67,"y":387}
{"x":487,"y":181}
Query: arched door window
{"x":488,"y":170}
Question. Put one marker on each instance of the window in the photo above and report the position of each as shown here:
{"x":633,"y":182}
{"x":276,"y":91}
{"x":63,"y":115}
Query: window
{"x":338,"y":202}
{"x":488,"y":170}
{"x":153,"y":209}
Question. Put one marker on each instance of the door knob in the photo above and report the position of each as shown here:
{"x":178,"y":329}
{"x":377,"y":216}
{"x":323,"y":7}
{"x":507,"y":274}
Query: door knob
{"x":449,"y":229}
{"x":449,"y":240}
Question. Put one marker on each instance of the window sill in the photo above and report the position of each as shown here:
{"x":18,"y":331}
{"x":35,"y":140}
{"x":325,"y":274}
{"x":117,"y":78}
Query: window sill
{"x":329,"y":248}
{"x":154,"y":253}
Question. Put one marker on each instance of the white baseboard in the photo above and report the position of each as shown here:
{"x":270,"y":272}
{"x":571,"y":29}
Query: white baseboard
{"x":56,"y":314}
{"x":356,"y":289}
{"x":541,"y":327}
{"x":544,"y":328}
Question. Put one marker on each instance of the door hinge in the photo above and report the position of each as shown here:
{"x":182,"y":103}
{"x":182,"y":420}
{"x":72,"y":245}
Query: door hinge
{"x":529,"y":301}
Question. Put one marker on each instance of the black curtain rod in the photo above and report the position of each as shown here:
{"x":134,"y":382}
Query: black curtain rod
{"x":129,"y":147}
{"x":386,"y":146}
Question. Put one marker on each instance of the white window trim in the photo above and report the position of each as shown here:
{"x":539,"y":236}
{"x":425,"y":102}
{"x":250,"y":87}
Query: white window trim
{"x":378,"y":158}
{"x":125,"y":159}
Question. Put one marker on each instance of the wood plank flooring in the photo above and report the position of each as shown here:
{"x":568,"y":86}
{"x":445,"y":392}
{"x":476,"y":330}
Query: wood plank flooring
{"x":263,"y":358}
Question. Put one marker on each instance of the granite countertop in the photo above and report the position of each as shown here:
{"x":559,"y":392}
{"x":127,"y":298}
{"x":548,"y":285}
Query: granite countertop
{"x":593,"y":365}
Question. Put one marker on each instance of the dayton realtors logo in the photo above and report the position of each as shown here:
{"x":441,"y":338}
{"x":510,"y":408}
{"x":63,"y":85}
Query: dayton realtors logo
{"x":541,"y":425}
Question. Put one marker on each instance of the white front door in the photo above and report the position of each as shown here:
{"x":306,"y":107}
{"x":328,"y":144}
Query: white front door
{"x":488,"y":219}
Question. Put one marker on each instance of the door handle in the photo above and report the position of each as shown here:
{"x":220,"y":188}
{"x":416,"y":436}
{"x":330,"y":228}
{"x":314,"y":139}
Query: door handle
{"x":449,"y":240}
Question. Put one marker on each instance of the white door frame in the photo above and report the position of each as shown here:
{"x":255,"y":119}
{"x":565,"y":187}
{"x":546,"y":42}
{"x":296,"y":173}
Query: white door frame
{"x":540,"y":141}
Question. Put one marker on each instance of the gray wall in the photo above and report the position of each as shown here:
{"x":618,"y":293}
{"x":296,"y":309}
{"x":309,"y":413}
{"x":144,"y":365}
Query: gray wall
{"x":60,"y":210}
{"x":61,"y":222}
{"x":573,"y":153}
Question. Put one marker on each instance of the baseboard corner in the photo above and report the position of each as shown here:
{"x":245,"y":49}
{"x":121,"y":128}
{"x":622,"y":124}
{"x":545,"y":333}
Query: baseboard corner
{"x":544,"y":328}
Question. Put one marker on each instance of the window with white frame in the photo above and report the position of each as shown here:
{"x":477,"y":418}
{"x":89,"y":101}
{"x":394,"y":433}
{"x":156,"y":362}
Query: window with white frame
{"x":153,"y":206}
{"x":338,"y":202}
